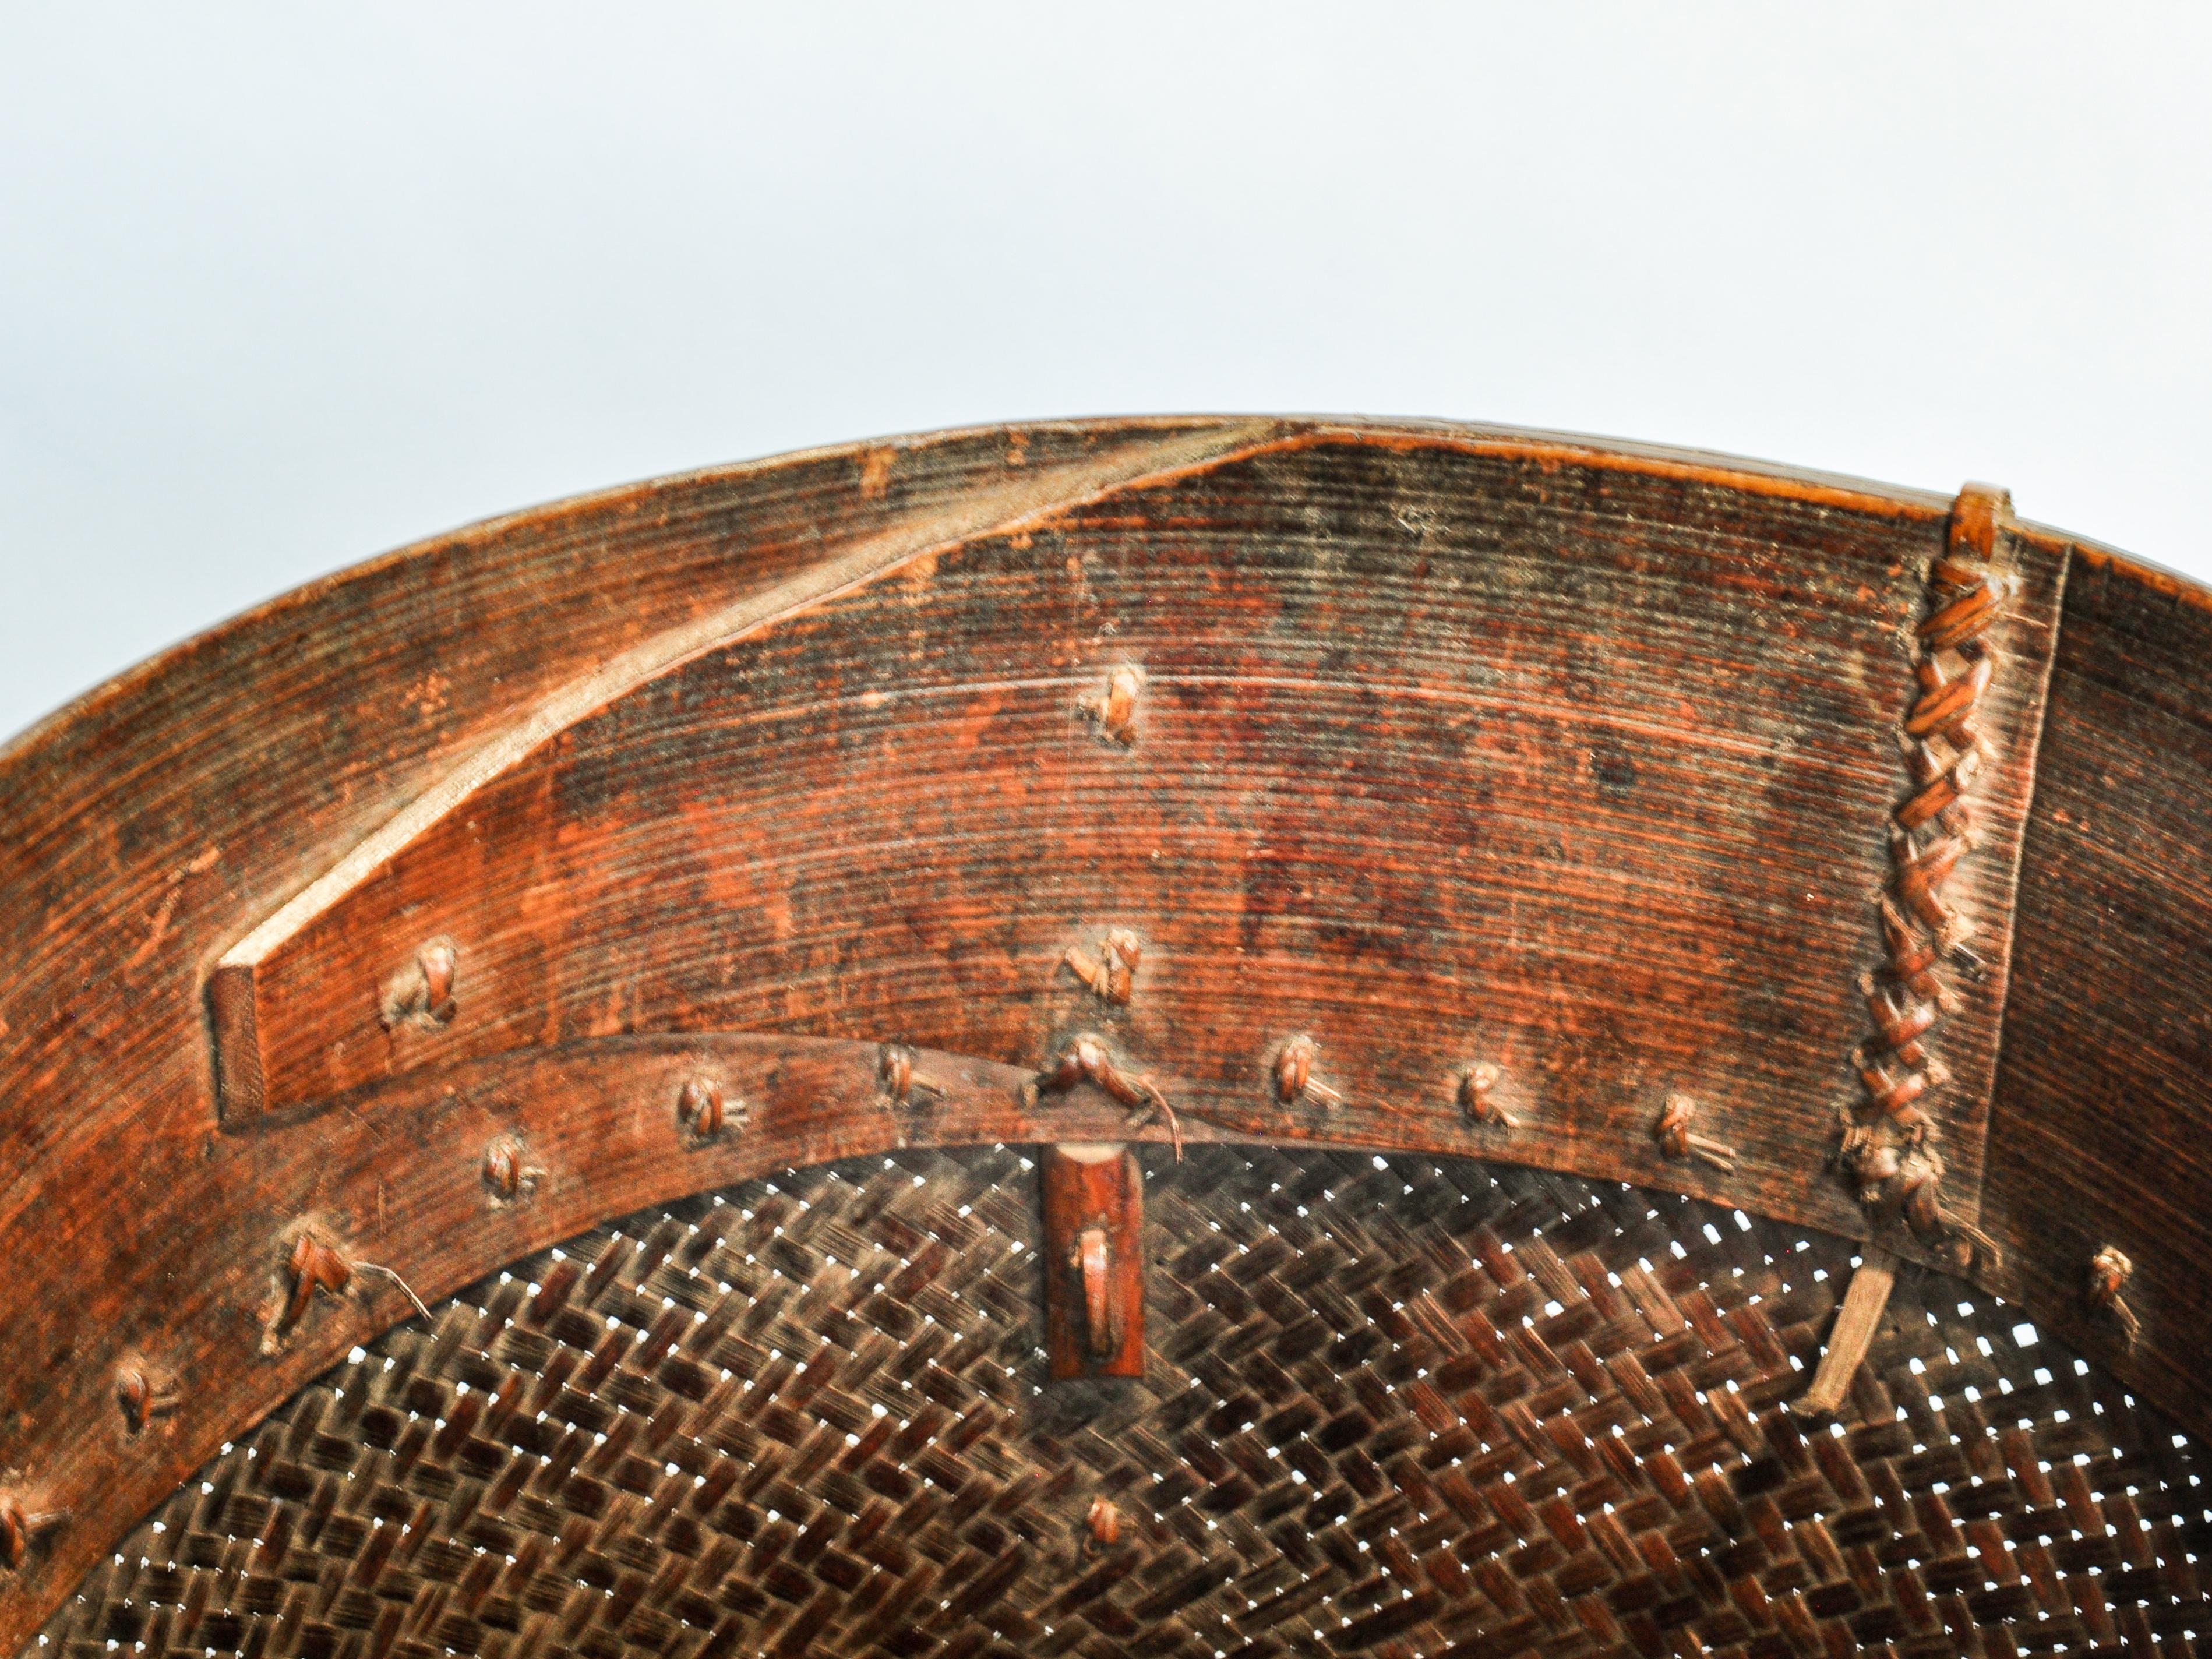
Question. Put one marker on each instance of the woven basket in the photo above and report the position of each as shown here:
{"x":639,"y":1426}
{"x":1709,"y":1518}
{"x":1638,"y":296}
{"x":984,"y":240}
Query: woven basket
{"x":567,"y":1090}
{"x":1398,"y":1405}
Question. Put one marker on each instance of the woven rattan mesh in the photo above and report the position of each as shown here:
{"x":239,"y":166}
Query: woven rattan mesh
{"x":1400,"y":1407}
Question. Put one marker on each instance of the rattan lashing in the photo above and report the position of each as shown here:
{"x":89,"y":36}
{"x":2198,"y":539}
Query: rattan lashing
{"x":1400,"y":1406}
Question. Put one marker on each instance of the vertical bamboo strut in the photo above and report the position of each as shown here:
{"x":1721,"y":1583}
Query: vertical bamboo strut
{"x":1094,"y":1261}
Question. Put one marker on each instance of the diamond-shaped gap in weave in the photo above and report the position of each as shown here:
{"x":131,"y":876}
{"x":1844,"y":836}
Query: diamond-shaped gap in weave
{"x":1400,"y":1406}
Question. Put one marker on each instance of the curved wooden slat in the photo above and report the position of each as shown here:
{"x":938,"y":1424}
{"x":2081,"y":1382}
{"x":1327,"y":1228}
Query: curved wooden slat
{"x":236,"y":987}
{"x":2103,"y":1114}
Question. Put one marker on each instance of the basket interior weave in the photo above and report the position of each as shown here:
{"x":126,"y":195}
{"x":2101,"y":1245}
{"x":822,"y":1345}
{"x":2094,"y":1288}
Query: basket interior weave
{"x":1399,"y":1406}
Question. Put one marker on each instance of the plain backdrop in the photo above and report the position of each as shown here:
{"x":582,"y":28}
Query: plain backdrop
{"x":282,"y":286}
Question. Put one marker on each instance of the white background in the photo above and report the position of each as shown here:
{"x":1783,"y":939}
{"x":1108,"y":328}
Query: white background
{"x":282,"y":286}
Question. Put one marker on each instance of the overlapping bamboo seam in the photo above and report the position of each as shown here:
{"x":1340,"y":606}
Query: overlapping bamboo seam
{"x":1890,"y":1139}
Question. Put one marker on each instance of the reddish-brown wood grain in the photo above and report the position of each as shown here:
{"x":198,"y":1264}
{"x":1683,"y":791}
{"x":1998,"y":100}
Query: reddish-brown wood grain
{"x":1027,"y":493}
{"x":1431,"y":746}
{"x":1436,"y":756}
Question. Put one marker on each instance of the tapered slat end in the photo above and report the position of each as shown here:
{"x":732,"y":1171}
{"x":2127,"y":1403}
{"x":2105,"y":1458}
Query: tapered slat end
{"x":241,"y":1073}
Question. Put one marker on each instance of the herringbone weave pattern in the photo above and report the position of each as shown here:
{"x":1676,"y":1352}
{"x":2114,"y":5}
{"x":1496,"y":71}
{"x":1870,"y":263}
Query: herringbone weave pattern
{"x":1403,"y":1407}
